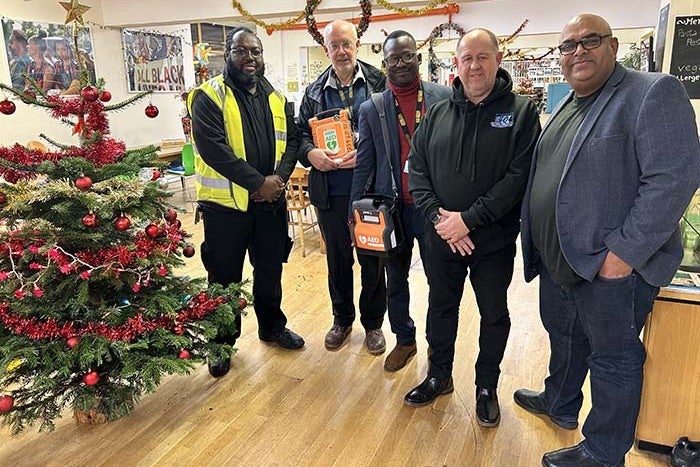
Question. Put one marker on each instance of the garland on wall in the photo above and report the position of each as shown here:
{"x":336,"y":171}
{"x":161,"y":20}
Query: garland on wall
{"x":312,"y":26}
{"x":519,"y":55}
{"x":407,"y":11}
{"x":271,"y":27}
{"x":512,"y":37}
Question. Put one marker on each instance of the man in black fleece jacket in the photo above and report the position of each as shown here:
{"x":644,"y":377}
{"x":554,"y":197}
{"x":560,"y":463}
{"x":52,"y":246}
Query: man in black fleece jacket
{"x":468,"y":169}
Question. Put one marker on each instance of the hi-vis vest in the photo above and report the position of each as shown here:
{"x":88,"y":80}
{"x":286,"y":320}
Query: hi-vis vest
{"x":211,"y":185}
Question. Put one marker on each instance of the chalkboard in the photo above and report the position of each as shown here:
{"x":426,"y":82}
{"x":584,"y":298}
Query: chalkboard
{"x":685,"y":56}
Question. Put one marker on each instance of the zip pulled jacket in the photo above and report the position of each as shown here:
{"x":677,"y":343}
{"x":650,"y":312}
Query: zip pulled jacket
{"x":475,"y":159}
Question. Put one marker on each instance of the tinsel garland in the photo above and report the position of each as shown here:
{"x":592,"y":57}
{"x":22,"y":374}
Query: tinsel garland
{"x":438,"y":30}
{"x":518,"y":56}
{"x":407,"y":11}
{"x":269,"y":27}
{"x":312,"y":27}
{"x":33,"y":328}
{"x":515,"y":34}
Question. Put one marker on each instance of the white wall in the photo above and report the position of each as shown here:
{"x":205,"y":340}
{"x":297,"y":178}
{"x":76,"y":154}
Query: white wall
{"x":130,"y":124}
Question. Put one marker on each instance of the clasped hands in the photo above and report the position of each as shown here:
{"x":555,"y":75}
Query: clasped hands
{"x":326,"y":160}
{"x":451,"y":228}
{"x":270,"y":190}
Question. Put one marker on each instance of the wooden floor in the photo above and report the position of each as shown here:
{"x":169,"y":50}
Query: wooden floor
{"x":315,"y":407}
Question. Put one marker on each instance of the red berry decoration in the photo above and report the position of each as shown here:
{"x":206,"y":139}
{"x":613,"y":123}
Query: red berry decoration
{"x":83,"y":183}
{"x":151,"y":111}
{"x":188,"y":250}
{"x":171,"y":215}
{"x":184,"y":354}
{"x":177,"y":223}
{"x":242,"y":303}
{"x":105,"y":96}
{"x":91,"y":378}
{"x":6,"y":403}
{"x":3,"y":198}
{"x":90,"y":220}
{"x":7,"y":107}
{"x":89,"y":93}
{"x":122,"y":223}
{"x":72,"y":342}
{"x":179,"y":329}
{"x":156,"y":174}
{"x":152,"y":230}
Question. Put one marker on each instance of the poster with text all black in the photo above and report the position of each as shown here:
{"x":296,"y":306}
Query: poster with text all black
{"x":685,"y":56}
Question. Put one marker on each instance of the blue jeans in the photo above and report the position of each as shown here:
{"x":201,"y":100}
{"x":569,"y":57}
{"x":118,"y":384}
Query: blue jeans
{"x":397,"y":267}
{"x":595,"y":326}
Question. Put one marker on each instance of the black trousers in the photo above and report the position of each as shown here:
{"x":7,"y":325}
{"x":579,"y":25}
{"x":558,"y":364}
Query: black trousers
{"x":339,"y":257}
{"x":262,"y":232}
{"x":490,"y":277}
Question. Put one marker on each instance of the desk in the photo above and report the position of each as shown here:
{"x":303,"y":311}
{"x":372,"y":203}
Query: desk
{"x":169,"y":154}
{"x":671,"y":393}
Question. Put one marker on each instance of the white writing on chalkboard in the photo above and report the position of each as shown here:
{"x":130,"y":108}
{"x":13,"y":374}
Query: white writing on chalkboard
{"x":685,"y":55}
{"x":688,"y":21}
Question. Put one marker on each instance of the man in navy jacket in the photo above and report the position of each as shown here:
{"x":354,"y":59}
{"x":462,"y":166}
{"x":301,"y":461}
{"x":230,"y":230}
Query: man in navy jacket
{"x":409,"y":98}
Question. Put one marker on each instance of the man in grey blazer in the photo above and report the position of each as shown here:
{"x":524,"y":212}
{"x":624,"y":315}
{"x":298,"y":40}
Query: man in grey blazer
{"x":613,"y":171}
{"x":408,"y":97}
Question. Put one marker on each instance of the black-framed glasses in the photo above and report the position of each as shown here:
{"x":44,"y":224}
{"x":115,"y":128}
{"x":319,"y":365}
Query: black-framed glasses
{"x":588,"y":43}
{"x":393,"y":60}
{"x":244,"y":52}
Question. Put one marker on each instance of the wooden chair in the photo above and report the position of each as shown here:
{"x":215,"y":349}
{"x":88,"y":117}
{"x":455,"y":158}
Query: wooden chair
{"x":302,"y":217}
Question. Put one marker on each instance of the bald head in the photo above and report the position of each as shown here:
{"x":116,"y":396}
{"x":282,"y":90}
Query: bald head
{"x":587,"y":20}
{"x":481,"y":35}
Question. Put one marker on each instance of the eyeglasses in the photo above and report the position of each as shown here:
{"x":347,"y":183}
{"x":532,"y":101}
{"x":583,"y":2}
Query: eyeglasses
{"x":588,"y":43}
{"x":337,"y":46}
{"x":243,"y":52}
{"x":393,"y":60}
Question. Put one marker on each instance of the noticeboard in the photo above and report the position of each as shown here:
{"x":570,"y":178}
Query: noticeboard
{"x":685,"y":56}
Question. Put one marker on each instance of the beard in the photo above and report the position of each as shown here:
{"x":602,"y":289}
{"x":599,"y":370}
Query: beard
{"x":245,"y":80}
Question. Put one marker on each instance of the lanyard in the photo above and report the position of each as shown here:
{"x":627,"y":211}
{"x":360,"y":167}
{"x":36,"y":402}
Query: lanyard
{"x":346,"y":97}
{"x":402,"y":119}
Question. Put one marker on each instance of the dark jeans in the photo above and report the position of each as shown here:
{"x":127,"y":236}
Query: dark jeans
{"x":595,"y":326}
{"x":490,"y":277}
{"x":397,"y":268}
{"x":262,"y":232}
{"x":339,"y":257}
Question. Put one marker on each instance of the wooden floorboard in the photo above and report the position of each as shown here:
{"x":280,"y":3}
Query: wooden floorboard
{"x":322,"y":408}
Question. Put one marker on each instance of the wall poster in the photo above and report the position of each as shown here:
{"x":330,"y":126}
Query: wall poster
{"x":46,"y":52}
{"x":154,"y":62}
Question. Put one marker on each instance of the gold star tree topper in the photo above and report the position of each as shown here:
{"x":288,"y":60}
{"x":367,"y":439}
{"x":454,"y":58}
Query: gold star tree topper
{"x":75,"y":11}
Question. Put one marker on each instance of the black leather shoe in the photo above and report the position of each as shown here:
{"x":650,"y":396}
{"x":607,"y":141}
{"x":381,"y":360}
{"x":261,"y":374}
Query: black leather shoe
{"x":285,"y":338}
{"x":685,"y":453}
{"x":427,"y":391}
{"x":218,"y":368}
{"x":532,"y":402}
{"x":573,"y":456}
{"x":488,"y":413}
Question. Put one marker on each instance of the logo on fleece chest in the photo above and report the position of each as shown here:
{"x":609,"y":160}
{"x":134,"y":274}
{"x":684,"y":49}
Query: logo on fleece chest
{"x":504,"y":120}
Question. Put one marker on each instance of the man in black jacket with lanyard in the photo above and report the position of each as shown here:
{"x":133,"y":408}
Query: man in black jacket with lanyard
{"x":345,"y":84}
{"x":468,"y":170}
{"x":246,"y":149}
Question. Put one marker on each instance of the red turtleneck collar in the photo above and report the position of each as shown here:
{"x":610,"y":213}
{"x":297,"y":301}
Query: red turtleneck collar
{"x":409,"y":90}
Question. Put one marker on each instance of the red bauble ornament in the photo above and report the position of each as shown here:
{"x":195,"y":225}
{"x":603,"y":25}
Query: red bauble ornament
{"x":171,"y":215}
{"x":184,"y":354}
{"x":242,"y":303}
{"x":179,"y":329}
{"x":90,"y":220}
{"x":105,"y":96}
{"x":89,"y":93}
{"x":83,"y":183}
{"x":152,"y":230}
{"x":151,"y":111}
{"x":122,"y":223}
{"x":156,"y":174}
{"x":91,"y":378}
{"x":7,"y":107}
{"x":188,"y":250}
{"x":3,"y":198}
{"x":7,"y":402}
{"x":72,"y":342}
{"x":177,"y":223}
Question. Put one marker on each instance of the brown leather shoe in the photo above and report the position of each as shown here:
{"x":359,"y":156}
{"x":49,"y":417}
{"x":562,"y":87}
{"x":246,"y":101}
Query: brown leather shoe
{"x":399,"y":357}
{"x":337,"y":336}
{"x":374,"y":340}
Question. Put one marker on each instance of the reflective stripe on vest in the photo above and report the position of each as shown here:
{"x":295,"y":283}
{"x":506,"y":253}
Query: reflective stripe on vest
{"x":210,"y":184}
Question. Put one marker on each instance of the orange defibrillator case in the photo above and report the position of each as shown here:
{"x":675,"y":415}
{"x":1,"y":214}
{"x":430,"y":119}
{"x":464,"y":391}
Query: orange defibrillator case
{"x":377,"y":227}
{"x":332,"y":130}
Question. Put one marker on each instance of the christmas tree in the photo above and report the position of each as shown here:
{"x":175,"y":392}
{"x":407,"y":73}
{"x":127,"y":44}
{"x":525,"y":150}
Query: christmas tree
{"x":91,"y":314}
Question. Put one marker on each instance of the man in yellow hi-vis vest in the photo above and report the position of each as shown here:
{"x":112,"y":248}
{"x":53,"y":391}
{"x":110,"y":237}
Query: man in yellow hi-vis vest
{"x":246,"y":145}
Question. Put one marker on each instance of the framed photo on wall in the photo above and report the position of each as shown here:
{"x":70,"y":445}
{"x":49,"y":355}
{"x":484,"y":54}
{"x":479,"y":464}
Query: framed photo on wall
{"x":47,"y":53}
{"x":154,"y":62}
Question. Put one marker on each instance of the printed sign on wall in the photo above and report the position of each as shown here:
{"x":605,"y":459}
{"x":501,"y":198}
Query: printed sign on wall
{"x":154,"y":62}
